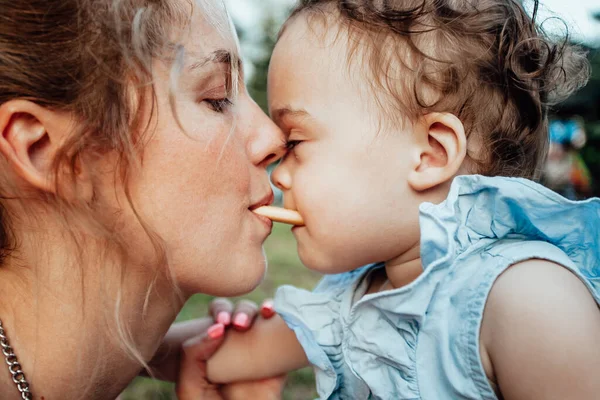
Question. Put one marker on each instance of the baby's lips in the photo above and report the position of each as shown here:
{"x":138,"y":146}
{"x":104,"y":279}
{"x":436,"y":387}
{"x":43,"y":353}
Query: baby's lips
{"x":278,"y":214}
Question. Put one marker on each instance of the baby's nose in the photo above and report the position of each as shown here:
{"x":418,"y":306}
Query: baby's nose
{"x":281,"y":177}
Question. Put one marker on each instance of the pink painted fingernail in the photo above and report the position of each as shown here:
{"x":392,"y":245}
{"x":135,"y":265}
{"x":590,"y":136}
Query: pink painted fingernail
{"x":268,"y":309}
{"x":224,"y":318}
{"x":216,"y":331}
{"x":241,"y":321}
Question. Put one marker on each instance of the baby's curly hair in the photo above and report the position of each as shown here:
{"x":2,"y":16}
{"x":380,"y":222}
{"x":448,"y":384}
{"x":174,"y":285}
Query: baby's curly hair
{"x":486,"y":61}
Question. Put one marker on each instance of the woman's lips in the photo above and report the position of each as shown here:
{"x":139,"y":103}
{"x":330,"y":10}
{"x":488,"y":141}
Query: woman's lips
{"x":267,"y":200}
{"x":264,"y":220}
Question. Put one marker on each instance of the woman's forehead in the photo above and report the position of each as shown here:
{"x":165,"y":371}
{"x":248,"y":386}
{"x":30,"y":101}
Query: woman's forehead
{"x":211,"y":30}
{"x":208,"y":44}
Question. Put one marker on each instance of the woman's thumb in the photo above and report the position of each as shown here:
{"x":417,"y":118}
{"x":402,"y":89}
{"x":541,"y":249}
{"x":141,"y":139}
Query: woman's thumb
{"x":192,"y":383}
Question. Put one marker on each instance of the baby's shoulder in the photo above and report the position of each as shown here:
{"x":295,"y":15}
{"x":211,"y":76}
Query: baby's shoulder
{"x":517,"y":277}
{"x":533,"y":293}
{"x":539,"y":315}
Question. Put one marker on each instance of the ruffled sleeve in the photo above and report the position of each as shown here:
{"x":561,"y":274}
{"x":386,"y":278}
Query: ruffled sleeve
{"x":314,"y":317}
{"x":485,"y":225}
{"x":482,"y":210}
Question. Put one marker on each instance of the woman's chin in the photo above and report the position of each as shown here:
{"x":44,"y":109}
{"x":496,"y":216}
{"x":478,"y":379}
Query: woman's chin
{"x":238,"y":280}
{"x":250,"y":280}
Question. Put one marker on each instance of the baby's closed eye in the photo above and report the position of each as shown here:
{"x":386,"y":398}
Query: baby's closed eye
{"x":291,"y":144}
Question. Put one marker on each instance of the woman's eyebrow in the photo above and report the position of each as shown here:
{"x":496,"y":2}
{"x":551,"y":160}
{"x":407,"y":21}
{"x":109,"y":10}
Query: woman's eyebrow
{"x":220,"y":56}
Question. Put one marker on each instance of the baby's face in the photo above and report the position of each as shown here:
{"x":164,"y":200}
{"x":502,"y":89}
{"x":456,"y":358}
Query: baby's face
{"x":345,"y":175}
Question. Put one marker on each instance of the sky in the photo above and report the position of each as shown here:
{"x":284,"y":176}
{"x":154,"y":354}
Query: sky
{"x":576,"y":13}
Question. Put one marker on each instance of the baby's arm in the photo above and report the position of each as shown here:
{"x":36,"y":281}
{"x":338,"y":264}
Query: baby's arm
{"x":268,"y":349}
{"x":541,"y":332}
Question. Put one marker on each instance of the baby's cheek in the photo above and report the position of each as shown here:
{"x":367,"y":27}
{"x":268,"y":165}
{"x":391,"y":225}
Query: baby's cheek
{"x":325,"y":201}
{"x":337,"y":242}
{"x":319,"y":188}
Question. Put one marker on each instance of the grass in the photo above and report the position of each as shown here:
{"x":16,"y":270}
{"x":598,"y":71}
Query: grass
{"x":284,"y":268}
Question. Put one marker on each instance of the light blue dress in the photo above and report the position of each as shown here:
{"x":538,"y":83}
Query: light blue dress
{"x":421,"y":341}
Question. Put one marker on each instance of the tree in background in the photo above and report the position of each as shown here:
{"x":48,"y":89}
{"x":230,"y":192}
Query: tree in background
{"x":261,"y":43}
{"x":257,"y":84}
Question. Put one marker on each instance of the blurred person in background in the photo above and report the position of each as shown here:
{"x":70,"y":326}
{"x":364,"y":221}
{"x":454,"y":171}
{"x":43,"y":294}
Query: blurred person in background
{"x":565,"y":171}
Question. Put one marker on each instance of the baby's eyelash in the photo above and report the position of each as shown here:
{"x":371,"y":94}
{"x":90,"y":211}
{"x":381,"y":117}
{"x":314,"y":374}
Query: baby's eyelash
{"x":290,"y":144}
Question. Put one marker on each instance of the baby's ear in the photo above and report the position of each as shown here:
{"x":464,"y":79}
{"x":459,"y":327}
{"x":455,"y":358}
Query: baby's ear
{"x":442,"y":147}
{"x":30,"y":138}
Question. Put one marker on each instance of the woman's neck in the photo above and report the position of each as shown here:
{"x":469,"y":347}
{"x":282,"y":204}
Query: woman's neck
{"x":60,"y":319}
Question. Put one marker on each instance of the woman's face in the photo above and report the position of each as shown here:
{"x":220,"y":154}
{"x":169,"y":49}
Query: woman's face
{"x":195,"y":188}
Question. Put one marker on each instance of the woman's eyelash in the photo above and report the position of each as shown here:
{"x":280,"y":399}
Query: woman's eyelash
{"x":290,"y":144}
{"x":219,"y":105}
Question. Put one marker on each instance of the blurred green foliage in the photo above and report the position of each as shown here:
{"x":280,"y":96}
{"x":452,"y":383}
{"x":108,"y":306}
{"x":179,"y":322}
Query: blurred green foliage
{"x":257,"y":84}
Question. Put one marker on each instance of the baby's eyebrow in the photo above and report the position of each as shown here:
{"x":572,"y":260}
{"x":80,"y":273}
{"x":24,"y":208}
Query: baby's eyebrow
{"x":287,"y":112}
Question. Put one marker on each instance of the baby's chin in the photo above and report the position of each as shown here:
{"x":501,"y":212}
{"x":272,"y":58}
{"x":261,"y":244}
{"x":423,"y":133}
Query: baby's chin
{"x":324,"y":264}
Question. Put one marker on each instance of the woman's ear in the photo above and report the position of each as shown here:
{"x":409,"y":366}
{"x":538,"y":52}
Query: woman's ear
{"x":30,"y":139}
{"x":442,"y":147}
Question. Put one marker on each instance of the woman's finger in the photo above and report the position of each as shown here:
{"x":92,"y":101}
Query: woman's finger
{"x":192,"y":383}
{"x":244,"y":315}
{"x":165,"y":363}
{"x":221,"y":310}
{"x":267,"y":309}
{"x":266,"y":389}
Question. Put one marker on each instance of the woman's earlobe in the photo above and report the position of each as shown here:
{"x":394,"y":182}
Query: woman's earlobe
{"x":442,"y":150}
{"x":30,"y":137}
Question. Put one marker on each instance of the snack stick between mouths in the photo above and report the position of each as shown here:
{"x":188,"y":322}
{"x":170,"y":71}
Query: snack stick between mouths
{"x":280,"y":215}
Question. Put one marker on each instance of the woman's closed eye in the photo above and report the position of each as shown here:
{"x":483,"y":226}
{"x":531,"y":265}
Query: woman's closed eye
{"x":217,"y":99}
{"x":218,"y":105}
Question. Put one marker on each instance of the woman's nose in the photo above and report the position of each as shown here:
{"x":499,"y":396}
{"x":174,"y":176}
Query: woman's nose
{"x":267,"y":142}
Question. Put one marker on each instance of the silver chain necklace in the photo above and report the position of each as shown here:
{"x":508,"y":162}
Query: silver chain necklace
{"x":14,"y":367}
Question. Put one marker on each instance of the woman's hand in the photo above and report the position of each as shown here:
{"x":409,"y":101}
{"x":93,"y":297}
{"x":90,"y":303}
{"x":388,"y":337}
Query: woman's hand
{"x":193,"y":385}
{"x":166,"y":362}
{"x":187,"y":345}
